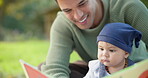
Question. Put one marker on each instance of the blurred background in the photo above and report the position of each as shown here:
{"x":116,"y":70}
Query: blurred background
{"x":24,"y":34}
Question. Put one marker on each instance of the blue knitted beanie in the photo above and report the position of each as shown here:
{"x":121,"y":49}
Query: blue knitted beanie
{"x":121,"y":35}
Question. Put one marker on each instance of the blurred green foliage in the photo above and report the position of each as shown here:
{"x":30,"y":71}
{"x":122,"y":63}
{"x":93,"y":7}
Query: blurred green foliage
{"x":145,"y":2}
{"x":23,"y":17}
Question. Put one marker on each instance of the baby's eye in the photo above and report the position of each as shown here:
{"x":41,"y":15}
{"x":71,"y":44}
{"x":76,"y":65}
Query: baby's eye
{"x":101,"y":49}
{"x":112,"y":50}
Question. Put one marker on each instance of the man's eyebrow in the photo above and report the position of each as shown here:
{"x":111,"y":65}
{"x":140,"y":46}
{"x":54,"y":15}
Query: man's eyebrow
{"x":81,"y":1}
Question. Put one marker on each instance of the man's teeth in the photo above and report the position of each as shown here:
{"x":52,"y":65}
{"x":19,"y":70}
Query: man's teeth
{"x":83,"y":20}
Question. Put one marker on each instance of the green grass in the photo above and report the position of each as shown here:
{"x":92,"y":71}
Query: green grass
{"x":33,"y":52}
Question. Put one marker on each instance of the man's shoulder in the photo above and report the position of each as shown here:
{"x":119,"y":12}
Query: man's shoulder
{"x":123,"y":3}
{"x":120,"y":9}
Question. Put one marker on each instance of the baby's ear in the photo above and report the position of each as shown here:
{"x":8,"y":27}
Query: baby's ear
{"x":126,"y":54}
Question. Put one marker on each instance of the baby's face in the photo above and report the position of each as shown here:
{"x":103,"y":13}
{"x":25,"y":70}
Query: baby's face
{"x":111,"y":55}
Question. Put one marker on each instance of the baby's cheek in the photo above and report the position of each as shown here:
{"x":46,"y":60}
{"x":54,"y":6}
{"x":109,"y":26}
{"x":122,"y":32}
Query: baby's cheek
{"x":99,"y":56}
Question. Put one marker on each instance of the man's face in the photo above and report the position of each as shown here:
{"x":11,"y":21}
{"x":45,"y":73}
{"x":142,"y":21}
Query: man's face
{"x":86,"y":14}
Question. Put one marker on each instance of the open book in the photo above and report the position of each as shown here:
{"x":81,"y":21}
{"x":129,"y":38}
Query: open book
{"x":31,"y":71}
{"x":138,"y":70}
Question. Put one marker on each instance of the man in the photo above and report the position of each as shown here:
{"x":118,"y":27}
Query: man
{"x":77,"y":26}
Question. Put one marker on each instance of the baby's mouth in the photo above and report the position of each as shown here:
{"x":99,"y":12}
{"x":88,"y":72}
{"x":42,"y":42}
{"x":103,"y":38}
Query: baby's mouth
{"x":104,"y":60}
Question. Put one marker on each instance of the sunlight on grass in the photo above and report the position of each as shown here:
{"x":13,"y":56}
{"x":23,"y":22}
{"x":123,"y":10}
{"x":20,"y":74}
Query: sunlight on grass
{"x":33,"y":52}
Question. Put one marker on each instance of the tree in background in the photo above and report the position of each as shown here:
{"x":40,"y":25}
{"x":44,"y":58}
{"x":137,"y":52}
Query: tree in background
{"x":145,"y":2}
{"x":22,"y":17}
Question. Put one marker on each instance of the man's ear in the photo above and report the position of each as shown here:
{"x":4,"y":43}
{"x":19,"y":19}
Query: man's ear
{"x":126,"y":54}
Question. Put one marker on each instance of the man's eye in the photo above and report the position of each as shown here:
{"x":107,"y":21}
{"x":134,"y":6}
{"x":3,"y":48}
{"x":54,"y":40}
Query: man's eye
{"x":82,"y":4}
{"x":67,"y":11}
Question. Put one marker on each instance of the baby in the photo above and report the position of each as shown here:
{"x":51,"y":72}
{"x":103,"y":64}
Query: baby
{"x":114,"y":46}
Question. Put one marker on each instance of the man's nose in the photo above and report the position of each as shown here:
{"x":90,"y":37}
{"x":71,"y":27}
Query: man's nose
{"x":78,"y":14}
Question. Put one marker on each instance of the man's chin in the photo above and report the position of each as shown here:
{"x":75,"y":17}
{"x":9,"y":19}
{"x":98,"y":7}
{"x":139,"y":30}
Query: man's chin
{"x":83,"y":27}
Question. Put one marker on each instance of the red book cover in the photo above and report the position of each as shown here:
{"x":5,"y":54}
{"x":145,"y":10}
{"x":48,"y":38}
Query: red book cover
{"x":30,"y":71}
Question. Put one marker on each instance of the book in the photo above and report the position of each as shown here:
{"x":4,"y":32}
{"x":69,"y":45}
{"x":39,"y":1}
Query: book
{"x":138,"y":70}
{"x":31,"y":71}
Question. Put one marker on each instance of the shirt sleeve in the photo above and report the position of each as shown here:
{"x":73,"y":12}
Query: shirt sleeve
{"x":61,"y":46}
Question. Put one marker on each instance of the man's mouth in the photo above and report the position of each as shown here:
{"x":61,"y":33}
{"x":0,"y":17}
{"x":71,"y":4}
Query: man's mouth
{"x":83,"y":20}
